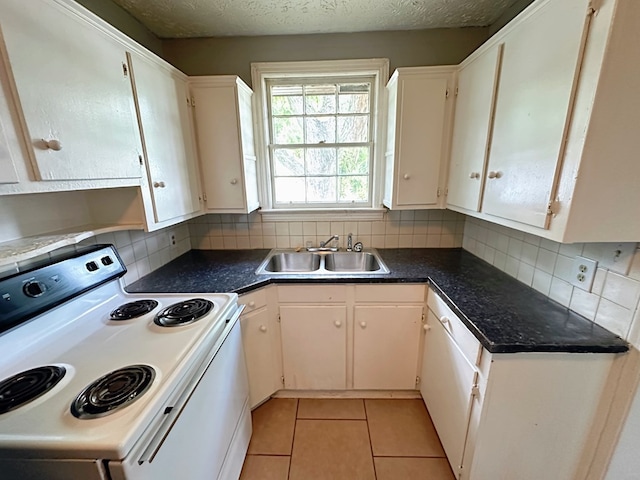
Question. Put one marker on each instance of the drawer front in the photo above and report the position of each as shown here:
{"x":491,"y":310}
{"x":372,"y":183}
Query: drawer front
{"x":465,"y":340}
{"x":390,"y":293}
{"x":312,"y":293}
{"x":253,"y":300}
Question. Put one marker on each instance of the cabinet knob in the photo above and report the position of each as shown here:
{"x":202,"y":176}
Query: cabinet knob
{"x":234,"y":181}
{"x":363,"y":324}
{"x":337,"y":323}
{"x":493,"y":174}
{"x":406,"y":176}
{"x":158,"y":184}
{"x":263,"y":328}
{"x":426,"y":327}
{"x":252,"y":304}
{"x":54,"y":145}
{"x":474,"y":175}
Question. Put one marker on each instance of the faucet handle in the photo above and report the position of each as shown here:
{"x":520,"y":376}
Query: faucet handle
{"x":357,"y":247}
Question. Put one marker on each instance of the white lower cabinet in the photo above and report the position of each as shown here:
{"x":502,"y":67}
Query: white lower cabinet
{"x":314,"y":346}
{"x":508,"y":416}
{"x":386,"y":346}
{"x":261,"y":340}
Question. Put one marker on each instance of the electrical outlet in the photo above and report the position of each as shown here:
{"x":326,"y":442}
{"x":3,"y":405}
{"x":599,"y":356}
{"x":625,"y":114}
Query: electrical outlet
{"x":583,"y":272}
{"x":172,"y":238}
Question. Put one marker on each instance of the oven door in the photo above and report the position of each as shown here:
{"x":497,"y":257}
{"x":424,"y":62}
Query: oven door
{"x":214,"y":420}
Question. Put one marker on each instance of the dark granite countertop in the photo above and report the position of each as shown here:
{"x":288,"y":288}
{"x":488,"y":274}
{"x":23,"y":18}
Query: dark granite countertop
{"x":504,"y":314}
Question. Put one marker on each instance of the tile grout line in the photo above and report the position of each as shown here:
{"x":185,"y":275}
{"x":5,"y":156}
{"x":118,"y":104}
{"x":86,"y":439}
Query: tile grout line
{"x":373,"y":461}
{"x":293,"y":437}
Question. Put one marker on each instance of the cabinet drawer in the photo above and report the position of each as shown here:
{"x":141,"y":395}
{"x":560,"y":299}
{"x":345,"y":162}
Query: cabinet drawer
{"x":389,"y":293}
{"x":253,"y":300}
{"x":469,"y":344}
{"x":312,"y":293}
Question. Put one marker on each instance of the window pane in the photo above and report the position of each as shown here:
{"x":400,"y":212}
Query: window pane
{"x":287,"y":131}
{"x":288,"y":162}
{"x":320,"y":104}
{"x":353,"y":103}
{"x":321,"y":189}
{"x":353,"y":129}
{"x":353,"y":189}
{"x":286,"y":105}
{"x":289,"y":190}
{"x":321,"y":129}
{"x":321,"y":161}
{"x":353,"y":160}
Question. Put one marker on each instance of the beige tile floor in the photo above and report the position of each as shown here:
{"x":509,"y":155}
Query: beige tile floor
{"x":344,"y":439}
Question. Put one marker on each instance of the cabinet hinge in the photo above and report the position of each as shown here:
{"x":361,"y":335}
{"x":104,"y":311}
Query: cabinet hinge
{"x":140,"y":159}
{"x":457,"y":90}
{"x":192,"y":102}
{"x":278,"y":318}
{"x":282,"y":380}
{"x":417,"y":381}
{"x":446,"y":95}
{"x":125,"y":69}
{"x":204,"y":197}
{"x":552,"y":207}
{"x":439,"y":192}
{"x":423,"y":318}
{"x":475,"y":390}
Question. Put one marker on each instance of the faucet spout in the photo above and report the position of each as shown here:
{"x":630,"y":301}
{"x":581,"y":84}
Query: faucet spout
{"x":331,"y":239}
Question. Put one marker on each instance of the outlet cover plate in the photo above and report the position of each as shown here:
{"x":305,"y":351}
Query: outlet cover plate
{"x":583,"y":272}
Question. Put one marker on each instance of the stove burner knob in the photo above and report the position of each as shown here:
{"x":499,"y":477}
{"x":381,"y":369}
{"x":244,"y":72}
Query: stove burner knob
{"x":34,"y":288}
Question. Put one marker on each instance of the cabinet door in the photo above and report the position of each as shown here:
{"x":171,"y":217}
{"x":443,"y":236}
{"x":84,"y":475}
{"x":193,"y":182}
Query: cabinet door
{"x":162,"y":98}
{"x":73,"y":86}
{"x":446,"y":387}
{"x":419,"y":139}
{"x":475,"y":96}
{"x":314,"y":347}
{"x":540,"y":64}
{"x":386,"y":343}
{"x":259,"y":354}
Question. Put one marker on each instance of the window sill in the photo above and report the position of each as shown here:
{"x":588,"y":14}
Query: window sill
{"x":337,"y":214}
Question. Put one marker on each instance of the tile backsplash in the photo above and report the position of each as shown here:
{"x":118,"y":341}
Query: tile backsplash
{"x":546,"y":266}
{"x":398,"y":229}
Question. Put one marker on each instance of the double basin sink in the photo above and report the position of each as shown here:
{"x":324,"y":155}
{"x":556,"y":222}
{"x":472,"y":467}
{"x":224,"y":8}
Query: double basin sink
{"x":288,"y":262}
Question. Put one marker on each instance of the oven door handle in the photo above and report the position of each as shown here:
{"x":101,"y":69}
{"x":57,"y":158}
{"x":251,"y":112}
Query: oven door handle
{"x":173,"y":412}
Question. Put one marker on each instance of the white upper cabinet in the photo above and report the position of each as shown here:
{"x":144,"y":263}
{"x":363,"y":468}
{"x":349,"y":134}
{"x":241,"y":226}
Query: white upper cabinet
{"x":72,"y":83}
{"x":540,"y":66}
{"x":164,"y":109}
{"x":419,"y":113}
{"x":475,"y":96}
{"x":563,"y":144}
{"x":224,"y":126}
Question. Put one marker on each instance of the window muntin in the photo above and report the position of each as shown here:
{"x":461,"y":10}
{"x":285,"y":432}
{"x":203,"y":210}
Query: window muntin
{"x":321,"y":145}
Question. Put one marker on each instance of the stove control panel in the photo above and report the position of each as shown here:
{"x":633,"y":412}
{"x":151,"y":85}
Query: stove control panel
{"x":27,"y":294}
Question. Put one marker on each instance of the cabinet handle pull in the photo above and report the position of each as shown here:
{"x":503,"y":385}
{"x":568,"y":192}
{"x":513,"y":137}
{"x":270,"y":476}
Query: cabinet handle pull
{"x":426,"y":327}
{"x":263,"y":328}
{"x":363,"y":324}
{"x":234,"y":181}
{"x":252,"y":304}
{"x":337,"y":323}
{"x":406,"y":176}
{"x":493,"y":174}
{"x":54,"y":145}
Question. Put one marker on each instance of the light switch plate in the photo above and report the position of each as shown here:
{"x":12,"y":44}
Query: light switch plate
{"x":583,"y":272}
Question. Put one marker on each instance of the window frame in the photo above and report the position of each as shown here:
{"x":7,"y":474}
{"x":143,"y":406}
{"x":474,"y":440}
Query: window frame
{"x":331,"y":70}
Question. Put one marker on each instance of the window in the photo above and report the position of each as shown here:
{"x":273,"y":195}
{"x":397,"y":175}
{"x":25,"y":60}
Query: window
{"x":321,"y":141}
{"x":319,"y":133}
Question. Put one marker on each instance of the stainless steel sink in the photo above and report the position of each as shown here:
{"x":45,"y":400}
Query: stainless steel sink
{"x":287,"y":262}
{"x":351,"y":262}
{"x":290,"y":262}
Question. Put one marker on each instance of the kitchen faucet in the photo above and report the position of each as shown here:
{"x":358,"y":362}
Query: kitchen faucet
{"x":331,"y":238}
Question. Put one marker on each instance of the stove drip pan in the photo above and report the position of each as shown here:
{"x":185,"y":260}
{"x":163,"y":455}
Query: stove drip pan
{"x":133,"y":309}
{"x":113,"y":391}
{"x":26,"y":386}
{"x":183,"y":313}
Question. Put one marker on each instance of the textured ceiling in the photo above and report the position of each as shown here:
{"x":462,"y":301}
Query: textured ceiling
{"x":211,"y":18}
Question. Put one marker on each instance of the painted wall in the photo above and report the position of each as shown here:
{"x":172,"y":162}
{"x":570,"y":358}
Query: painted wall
{"x":507,"y":16}
{"x":234,"y":55}
{"x":119,"y":18}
